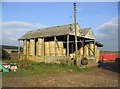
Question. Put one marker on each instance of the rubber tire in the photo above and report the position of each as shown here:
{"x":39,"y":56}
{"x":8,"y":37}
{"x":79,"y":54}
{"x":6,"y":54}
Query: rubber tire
{"x":84,"y":61}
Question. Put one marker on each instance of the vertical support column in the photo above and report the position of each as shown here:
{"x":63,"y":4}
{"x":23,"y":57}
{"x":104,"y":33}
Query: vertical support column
{"x":95,"y":50}
{"x":67,"y":45}
{"x":43,"y":51}
{"x":102,"y":54}
{"x":26,"y":49}
{"x":75,"y":31}
{"x":18,"y":49}
{"x":34,"y":50}
{"x":83,"y":46}
{"x":55,"y":45}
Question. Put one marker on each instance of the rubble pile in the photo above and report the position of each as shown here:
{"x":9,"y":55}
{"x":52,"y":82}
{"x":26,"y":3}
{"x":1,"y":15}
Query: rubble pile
{"x":10,"y":67}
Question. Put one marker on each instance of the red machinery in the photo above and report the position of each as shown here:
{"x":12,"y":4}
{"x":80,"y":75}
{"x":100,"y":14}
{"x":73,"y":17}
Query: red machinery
{"x":108,"y":56}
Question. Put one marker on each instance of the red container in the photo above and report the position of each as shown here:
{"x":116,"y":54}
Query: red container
{"x":108,"y":56}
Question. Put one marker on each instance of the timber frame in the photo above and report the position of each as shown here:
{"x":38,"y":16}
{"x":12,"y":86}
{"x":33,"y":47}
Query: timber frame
{"x":65,"y":34}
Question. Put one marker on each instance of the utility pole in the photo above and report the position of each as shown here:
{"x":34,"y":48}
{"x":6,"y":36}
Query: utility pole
{"x":75,"y":31}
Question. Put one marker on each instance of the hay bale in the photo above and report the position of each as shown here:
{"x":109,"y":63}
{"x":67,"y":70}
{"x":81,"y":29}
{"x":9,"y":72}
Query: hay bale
{"x":51,"y":44}
{"x":40,"y":40}
{"x":24,"y":47}
{"x":81,"y":51}
{"x":64,"y":52}
{"x":59,"y":44}
{"x":52,"y":48}
{"x":46,"y":45}
{"x":47,"y":52}
{"x":31,"y":51}
{"x":27,"y":49}
{"x":39,"y":46}
{"x":31,"y":47}
{"x":39,"y":52}
{"x":98,"y":54}
{"x":32,"y":41}
{"x":59,"y":51}
{"x":86,"y":50}
{"x":52,"y":51}
{"x":91,"y":49}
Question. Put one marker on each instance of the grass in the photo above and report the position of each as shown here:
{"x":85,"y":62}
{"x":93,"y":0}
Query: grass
{"x":39,"y":68}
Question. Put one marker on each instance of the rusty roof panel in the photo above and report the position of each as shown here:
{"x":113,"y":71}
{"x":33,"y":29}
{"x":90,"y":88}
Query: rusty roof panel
{"x":52,"y":31}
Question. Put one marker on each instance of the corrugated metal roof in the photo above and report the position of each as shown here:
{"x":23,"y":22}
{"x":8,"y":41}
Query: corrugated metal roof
{"x":48,"y":32}
{"x":52,"y":31}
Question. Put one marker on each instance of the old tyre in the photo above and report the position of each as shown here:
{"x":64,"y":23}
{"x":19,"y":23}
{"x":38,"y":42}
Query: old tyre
{"x":84,"y":61}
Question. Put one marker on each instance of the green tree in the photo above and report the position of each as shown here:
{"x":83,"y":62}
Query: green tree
{"x":5,"y":54}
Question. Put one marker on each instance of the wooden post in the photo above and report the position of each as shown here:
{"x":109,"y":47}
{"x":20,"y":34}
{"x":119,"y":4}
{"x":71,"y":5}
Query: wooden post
{"x":67,"y":45}
{"x":34,"y":50}
{"x":102,"y":54}
{"x":83,"y":46}
{"x":26,"y":49}
{"x":55,"y":45}
{"x":75,"y":31}
{"x":95,"y":50}
{"x":43,"y":51}
{"x":18,"y":49}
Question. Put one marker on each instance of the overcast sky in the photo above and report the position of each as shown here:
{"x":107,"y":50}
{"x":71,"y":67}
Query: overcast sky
{"x":21,"y":17}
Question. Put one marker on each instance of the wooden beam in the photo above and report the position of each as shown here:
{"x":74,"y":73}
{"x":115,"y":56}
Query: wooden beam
{"x":83,"y":46}
{"x":34,"y":50}
{"x":67,"y":45}
{"x":55,"y":45}
{"x":102,"y":53}
{"x":94,"y":48}
{"x":18,"y":49}
{"x":26,"y":49}
{"x":43,"y":51}
{"x":75,"y":31}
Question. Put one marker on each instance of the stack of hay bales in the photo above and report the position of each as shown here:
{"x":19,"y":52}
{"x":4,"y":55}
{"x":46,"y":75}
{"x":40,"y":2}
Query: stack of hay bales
{"x":31,"y":51}
{"x":64,"y":52}
{"x":81,"y":51}
{"x":86,"y":50}
{"x":52,"y":48}
{"x":27,"y":49}
{"x":24,"y":47}
{"x":39,"y":47}
{"x":96,"y":52}
{"x":91,"y":49}
{"x":98,"y":55}
{"x":59,"y":49}
{"x":47,"y":49}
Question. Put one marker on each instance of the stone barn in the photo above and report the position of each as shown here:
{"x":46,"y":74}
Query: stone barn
{"x":57,"y":44}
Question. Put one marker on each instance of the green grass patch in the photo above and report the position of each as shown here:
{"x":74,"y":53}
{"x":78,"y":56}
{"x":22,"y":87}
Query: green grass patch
{"x":39,"y":68}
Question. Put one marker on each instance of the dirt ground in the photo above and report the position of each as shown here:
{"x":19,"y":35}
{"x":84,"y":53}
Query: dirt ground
{"x":97,"y":77}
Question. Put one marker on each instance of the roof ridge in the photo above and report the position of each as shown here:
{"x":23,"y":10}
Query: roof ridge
{"x":51,"y":27}
{"x":59,"y":25}
{"x":86,"y":28}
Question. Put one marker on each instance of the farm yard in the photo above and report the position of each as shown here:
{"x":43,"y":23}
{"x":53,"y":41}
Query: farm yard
{"x":64,"y":55}
{"x":53,"y":75}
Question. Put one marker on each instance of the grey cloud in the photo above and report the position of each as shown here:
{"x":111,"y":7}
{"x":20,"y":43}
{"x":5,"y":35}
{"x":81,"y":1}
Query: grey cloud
{"x":12,"y":30}
{"x":107,"y":33}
